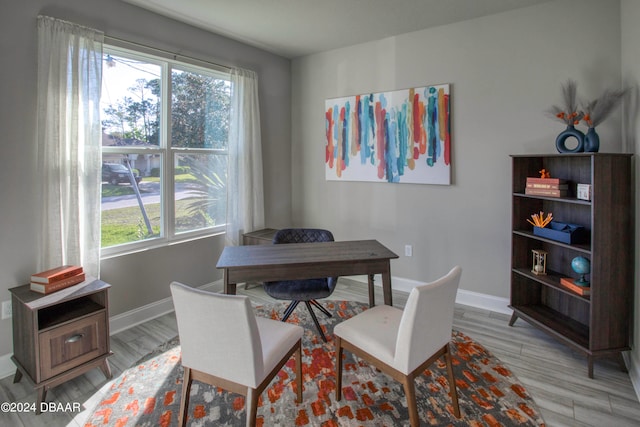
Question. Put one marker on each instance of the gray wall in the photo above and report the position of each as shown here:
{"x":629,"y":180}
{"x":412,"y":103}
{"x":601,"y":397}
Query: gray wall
{"x":141,"y":278}
{"x":505,"y":71}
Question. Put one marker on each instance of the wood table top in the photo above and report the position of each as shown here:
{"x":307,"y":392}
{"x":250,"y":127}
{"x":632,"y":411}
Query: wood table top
{"x":303,"y":253}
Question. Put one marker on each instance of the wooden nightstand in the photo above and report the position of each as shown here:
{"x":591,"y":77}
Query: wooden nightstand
{"x":259,"y":237}
{"x":59,"y":336}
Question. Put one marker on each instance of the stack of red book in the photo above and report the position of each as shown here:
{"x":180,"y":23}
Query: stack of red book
{"x":57,"y":279}
{"x":550,"y":187}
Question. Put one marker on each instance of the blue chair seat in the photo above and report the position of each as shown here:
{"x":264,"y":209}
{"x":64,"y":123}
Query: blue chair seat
{"x":299,"y":290}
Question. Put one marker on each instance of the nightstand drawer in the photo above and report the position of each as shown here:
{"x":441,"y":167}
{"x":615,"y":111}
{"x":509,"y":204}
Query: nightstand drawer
{"x":72,"y":344}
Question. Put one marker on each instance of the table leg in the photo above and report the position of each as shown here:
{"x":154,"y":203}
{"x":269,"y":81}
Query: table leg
{"x":386,"y":285}
{"x":372,"y":294}
{"x":229,"y":288}
{"x":106,"y":369}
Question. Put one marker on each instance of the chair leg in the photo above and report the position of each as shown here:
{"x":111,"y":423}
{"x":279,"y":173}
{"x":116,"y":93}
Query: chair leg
{"x":315,"y":320}
{"x":289,"y":310}
{"x":452,"y":382}
{"x":252,"y":406}
{"x":320,"y":307}
{"x":338,"y":368}
{"x":410,"y":394}
{"x":298,"y":357}
{"x":184,"y":402}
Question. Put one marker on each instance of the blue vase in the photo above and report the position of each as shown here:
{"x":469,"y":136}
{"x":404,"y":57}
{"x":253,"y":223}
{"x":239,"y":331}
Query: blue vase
{"x":570,"y":132}
{"x":591,"y":141}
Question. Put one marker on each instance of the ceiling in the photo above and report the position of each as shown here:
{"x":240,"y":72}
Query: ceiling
{"x":294,"y":28}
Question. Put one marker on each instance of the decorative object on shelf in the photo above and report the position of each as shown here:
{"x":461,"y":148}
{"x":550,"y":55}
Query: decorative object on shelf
{"x":58,"y":278}
{"x":561,"y":232}
{"x":583,"y":191}
{"x":539,"y":220}
{"x":569,"y":283}
{"x":570,"y":132}
{"x":582,"y":266}
{"x":539,"y":262}
{"x":544,"y":174}
{"x":569,"y":115}
{"x":549,"y":187}
{"x":548,"y":190}
{"x":591,"y":141}
{"x":595,"y":112}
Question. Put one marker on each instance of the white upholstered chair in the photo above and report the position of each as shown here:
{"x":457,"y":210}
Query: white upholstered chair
{"x":404,"y":343}
{"x":224,"y":344}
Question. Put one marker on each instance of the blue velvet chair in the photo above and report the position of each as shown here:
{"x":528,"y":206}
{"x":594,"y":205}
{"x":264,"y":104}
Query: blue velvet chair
{"x":307,"y":290}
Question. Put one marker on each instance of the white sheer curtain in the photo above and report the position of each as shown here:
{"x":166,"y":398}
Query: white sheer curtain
{"x":245,"y":197}
{"x":69,"y":140}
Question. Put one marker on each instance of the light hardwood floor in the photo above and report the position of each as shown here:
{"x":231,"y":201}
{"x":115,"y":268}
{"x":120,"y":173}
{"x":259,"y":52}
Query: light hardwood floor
{"x":555,"y":376}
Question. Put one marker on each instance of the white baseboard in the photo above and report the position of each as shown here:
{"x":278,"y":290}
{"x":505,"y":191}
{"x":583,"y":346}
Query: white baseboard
{"x":7,"y":368}
{"x":131,"y":318}
{"x":469,"y":298}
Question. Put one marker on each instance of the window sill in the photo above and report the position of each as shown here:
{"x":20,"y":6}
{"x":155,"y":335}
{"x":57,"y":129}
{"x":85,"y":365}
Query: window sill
{"x":116,"y":252}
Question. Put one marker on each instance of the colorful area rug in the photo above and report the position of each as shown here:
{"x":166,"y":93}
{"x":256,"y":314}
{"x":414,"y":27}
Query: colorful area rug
{"x":149,"y":394}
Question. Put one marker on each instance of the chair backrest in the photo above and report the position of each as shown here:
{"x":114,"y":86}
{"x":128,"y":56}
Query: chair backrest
{"x":302,"y":235}
{"x":306,"y":235}
{"x":427,"y":321}
{"x":218,"y":334}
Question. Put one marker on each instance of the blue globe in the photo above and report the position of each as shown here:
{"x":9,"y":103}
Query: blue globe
{"x":582,"y":266}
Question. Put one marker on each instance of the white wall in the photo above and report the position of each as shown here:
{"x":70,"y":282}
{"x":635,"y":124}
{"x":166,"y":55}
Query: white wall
{"x":631,"y":125}
{"x":505,"y":70}
{"x":139,"y":279}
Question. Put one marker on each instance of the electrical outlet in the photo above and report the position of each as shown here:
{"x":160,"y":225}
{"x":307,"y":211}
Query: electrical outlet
{"x":6,"y":309}
{"x":408,"y":250}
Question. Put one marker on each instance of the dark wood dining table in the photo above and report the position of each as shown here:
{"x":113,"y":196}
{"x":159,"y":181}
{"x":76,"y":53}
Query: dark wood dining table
{"x":296,"y":261}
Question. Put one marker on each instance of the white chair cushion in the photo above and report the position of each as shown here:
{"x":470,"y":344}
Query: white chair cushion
{"x":375,"y":331}
{"x":277,"y":338}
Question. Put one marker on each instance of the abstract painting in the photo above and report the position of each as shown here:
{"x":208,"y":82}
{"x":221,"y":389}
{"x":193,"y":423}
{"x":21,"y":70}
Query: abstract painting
{"x":402,"y":136}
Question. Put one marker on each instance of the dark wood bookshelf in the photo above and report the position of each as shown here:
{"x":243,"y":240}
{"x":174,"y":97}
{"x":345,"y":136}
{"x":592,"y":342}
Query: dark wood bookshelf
{"x":599,"y":324}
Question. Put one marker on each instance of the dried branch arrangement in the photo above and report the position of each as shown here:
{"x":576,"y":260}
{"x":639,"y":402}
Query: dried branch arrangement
{"x":592,"y":112}
{"x":568,"y":113}
{"x":599,"y":109}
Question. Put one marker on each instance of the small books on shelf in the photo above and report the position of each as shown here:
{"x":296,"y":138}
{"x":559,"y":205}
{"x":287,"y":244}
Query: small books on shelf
{"x":568,"y":283}
{"x":550,"y":187}
{"x":548,"y":181}
{"x":56,"y":279}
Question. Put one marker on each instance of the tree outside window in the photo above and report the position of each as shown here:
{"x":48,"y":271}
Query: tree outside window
{"x":166,"y":124}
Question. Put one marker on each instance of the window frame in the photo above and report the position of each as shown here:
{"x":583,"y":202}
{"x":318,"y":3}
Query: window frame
{"x":167,"y":62}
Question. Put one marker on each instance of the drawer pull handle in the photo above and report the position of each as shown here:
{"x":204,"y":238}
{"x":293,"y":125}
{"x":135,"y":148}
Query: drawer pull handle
{"x":74,"y":338}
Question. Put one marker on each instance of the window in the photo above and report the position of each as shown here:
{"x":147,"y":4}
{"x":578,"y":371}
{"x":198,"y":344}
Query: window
{"x":164,"y":150}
